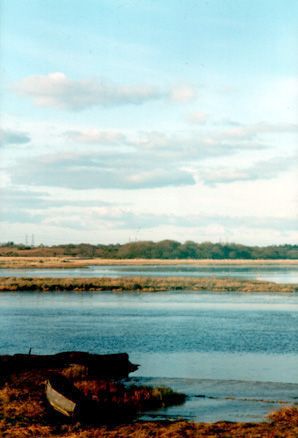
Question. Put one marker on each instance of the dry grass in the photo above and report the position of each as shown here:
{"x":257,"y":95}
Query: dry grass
{"x":70,"y":262}
{"x":285,"y":417}
{"x":133,"y":398}
{"x":24,"y":410}
{"x":23,"y":413}
{"x":141,"y":284}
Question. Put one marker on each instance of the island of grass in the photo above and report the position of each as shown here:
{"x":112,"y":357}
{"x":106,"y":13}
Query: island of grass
{"x":141,"y":284}
{"x":36,"y":260}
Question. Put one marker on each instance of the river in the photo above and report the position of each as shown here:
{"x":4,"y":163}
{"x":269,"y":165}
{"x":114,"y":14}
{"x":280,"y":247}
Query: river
{"x":276,"y":273}
{"x":235,"y":355}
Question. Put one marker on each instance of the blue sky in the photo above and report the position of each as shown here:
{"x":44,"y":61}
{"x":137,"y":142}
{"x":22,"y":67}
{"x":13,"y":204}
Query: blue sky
{"x":149,"y":120}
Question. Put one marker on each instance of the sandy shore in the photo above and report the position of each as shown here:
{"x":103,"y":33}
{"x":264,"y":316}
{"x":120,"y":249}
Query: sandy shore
{"x":70,"y":262}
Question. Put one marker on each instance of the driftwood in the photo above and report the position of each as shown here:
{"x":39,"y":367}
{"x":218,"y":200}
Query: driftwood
{"x":108,"y":365}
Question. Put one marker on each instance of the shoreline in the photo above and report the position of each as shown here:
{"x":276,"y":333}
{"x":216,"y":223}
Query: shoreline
{"x":71,"y":262}
{"x":24,"y":412}
{"x":284,"y":428}
{"x":141,"y":284}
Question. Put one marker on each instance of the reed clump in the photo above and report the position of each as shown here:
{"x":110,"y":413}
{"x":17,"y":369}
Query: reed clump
{"x":24,"y":410}
{"x":286,"y":417}
{"x":131,"y":398}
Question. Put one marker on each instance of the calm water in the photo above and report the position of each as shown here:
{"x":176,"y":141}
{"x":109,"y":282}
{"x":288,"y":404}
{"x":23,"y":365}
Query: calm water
{"x":221,"y":349}
{"x":276,"y":273}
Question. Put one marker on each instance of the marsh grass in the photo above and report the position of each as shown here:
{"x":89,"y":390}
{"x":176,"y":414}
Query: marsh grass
{"x":24,"y":410}
{"x":60,"y":261}
{"x":131,"y":398}
{"x":286,"y":417}
{"x":141,"y":284}
{"x":24,"y":413}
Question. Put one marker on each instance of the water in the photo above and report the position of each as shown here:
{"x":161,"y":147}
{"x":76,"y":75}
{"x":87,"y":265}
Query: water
{"x":235,"y":355}
{"x":229,"y":400}
{"x":275,"y":273}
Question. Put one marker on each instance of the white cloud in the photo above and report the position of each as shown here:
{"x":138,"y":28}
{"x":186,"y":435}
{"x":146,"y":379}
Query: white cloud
{"x":189,"y":146}
{"x":197,"y":118}
{"x":183,"y":93}
{"x":8,"y":136}
{"x":101,"y":170}
{"x":117,"y":217}
{"x":60,"y":92}
{"x":95,"y":136}
{"x":261,"y":170}
{"x":249,"y":132}
{"x":151,"y":160}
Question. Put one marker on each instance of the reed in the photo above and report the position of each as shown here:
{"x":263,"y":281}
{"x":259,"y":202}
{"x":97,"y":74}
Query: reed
{"x":141,"y":284}
{"x":23,"y":405}
{"x":61,"y":261}
{"x":23,"y":413}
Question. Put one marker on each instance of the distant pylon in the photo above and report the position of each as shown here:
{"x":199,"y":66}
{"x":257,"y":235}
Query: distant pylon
{"x":26,"y":239}
{"x":32,"y":240}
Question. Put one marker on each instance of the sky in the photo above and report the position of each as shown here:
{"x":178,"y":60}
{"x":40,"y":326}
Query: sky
{"x":126,"y":120}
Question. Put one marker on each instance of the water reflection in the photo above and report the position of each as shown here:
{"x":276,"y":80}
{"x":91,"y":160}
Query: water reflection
{"x":275,"y":273}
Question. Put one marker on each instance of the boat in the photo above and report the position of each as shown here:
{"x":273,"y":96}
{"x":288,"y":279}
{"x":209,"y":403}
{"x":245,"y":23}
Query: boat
{"x":62,"y":395}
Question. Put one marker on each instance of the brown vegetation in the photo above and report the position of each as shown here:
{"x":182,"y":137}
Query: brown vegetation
{"x":24,"y":410}
{"x":141,"y":284}
{"x":38,"y":261}
{"x":116,"y":396}
{"x":24,"y":413}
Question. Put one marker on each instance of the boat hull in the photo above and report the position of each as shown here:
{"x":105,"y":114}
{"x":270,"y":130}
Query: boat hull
{"x":60,"y":402}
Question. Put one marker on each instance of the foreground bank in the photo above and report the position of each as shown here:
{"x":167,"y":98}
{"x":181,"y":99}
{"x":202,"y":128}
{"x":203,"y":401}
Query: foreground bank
{"x":282,"y":424}
{"x":24,"y":412}
{"x":141,"y":284}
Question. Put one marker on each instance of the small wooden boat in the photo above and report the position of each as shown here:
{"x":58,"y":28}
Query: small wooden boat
{"x":62,"y":395}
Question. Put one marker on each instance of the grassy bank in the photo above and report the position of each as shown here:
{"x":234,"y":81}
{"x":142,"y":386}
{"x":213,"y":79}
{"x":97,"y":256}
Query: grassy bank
{"x":24,"y":413}
{"x":71,"y":262}
{"x":141,"y":284}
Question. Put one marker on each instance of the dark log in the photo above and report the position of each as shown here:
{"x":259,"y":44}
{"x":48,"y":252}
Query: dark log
{"x":107,"y":365}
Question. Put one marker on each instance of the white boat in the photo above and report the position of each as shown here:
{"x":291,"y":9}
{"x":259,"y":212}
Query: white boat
{"x":62,"y":396}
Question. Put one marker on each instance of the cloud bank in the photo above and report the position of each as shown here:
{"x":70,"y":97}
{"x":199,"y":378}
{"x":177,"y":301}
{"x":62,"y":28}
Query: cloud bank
{"x":259,"y":171}
{"x":60,"y":92}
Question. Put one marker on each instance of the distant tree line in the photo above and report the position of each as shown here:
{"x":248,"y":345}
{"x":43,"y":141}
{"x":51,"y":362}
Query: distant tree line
{"x":165,"y":249}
